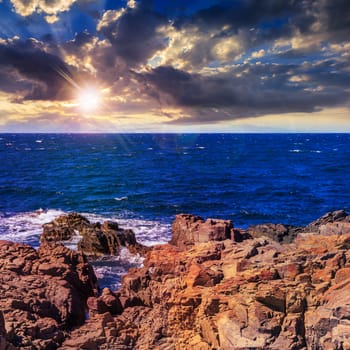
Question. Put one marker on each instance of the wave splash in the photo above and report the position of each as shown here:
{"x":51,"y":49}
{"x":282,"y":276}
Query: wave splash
{"x":27,"y":227}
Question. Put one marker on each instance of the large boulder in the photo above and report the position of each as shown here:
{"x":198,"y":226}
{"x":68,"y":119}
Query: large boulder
{"x":188,"y":230}
{"x":278,"y":232}
{"x":332,"y":223}
{"x":338,"y":216}
{"x":108,"y":239}
{"x":96,"y":239}
{"x":63,"y":227}
{"x":42,"y":293}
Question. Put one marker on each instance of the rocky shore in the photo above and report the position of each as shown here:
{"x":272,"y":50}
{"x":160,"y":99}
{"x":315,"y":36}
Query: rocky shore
{"x":214,"y":286}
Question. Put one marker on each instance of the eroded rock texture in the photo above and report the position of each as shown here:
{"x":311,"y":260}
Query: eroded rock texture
{"x":222,"y":294}
{"x":217,"y":288}
{"x":43,"y":293}
{"x":96,"y":239}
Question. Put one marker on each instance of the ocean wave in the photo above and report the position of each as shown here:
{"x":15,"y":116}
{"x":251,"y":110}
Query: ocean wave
{"x":110,"y":269}
{"x":121,"y":198}
{"x":26,"y":227}
{"x":148,"y":232}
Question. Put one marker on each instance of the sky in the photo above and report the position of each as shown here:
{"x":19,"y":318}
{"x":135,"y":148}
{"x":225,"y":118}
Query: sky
{"x":174,"y":66}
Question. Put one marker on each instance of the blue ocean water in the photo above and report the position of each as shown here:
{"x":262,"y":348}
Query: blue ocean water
{"x":144,"y":180}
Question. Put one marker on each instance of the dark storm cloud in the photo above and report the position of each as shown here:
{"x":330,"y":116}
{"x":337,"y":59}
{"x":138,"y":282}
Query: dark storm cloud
{"x":241,"y":13}
{"x":41,"y":75}
{"x":134,"y":35}
{"x":335,"y":15}
{"x":262,"y":89}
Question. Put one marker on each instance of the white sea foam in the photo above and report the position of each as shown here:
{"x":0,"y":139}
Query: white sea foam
{"x":148,"y":232}
{"x":121,"y":198}
{"x":110,"y":269}
{"x":27,"y":227}
{"x":295,"y":150}
{"x":73,"y":242}
{"x":38,"y":141}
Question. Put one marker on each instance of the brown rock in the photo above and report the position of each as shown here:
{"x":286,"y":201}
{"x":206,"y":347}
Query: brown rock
{"x":331,"y":217}
{"x":97,"y":242}
{"x":217,"y":293}
{"x":236,"y":295}
{"x":107,"y":302}
{"x":63,"y":227}
{"x":190,"y":229}
{"x":278,"y":232}
{"x":46,"y":296}
{"x":3,"y":342}
{"x":334,"y":228}
{"x":342,"y":275}
{"x":97,"y":239}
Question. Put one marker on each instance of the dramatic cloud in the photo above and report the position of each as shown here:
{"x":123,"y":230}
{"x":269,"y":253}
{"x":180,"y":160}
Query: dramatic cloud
{"x":49,"y":7}
{"x":179,"y":62}
{"x":248,"y":90}
{"x":40,"y":75}
{"x":133,"y":33}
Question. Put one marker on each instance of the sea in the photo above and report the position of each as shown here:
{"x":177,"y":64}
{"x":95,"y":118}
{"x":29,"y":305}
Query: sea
{"x":143,"y":180}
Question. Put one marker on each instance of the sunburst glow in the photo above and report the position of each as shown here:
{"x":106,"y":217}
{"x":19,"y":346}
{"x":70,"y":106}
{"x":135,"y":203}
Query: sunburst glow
{"x":89,"y":99}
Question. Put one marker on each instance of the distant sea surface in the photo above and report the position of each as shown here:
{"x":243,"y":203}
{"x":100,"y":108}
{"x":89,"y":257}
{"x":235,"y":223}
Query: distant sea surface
{"x":144,"y":180}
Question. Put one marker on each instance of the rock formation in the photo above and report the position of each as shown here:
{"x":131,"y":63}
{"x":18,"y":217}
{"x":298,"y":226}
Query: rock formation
{"x":63,"y":227}
{"x":43,"y":294}
{"x":215,"y":288}
{"x":97,"y":239}
{"x":278,"y":232}
{"x":188,"y":230}
{"x":222,"y":294}
{"x":332,"y":223}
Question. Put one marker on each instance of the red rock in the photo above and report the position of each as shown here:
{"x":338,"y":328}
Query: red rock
{"x":342,"y":275}
{"x":253,"y":294}
{"x":44,"y":298}
{"x":190,"y":229}
{"x":107,"y":302}
{"x":334,"y":228}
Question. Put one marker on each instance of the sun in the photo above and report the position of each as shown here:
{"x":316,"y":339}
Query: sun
{"x":89,"y":99}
